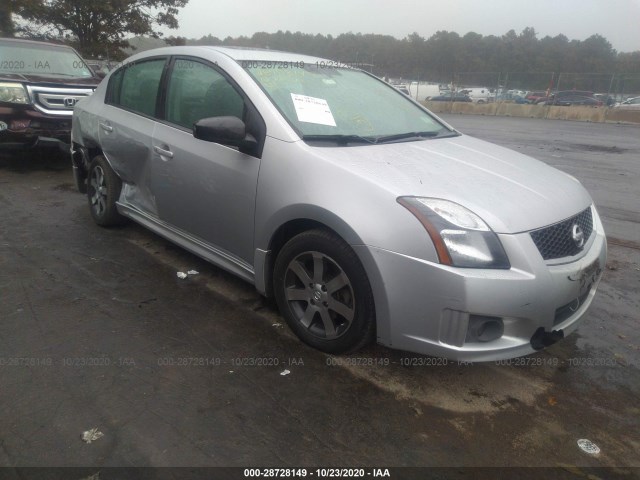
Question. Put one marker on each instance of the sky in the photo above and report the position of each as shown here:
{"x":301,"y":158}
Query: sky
{"x":616,"y":20}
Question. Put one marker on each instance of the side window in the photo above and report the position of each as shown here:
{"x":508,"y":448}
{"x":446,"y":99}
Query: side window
{"x":198,"y":91}
{"x":115,"y":84}
{"x":135,"y":86}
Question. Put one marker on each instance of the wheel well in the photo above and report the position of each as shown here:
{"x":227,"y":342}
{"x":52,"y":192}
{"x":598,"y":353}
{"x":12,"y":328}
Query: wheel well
{"x":93,"y":152}
{"x":81,"y":158}
{"x":285,"y":233}
{"x":84,"y":155}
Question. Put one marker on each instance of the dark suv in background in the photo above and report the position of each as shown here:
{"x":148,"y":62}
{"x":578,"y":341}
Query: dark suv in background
{"x":567,"y":98}
{"x":40,"y":84}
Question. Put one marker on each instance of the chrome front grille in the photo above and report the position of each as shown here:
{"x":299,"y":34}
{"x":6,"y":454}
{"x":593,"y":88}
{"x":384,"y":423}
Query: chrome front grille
{"x":57,"y":101}
{"x":556,"y":241}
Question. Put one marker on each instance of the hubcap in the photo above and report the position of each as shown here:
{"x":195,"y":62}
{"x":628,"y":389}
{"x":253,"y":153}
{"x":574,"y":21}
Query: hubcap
{"x":99,"y":191}
{"x":320,"y":295}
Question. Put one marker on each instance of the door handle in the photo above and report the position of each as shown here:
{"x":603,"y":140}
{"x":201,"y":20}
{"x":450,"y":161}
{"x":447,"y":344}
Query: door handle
{"x":162,"y":152}
{"x":106,"y":128}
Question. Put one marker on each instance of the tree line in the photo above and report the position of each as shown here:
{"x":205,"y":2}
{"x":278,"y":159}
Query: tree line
{"x":446,"y":52}
{"x":104,"y":29}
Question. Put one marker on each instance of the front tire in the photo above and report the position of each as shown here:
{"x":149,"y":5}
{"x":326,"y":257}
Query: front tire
{"x":323,"y":292}
{"x":103,"y":190}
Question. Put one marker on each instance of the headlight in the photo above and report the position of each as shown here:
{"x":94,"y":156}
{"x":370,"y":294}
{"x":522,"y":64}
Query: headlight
{"x":13,"y":93}
{"x":461,"y":238}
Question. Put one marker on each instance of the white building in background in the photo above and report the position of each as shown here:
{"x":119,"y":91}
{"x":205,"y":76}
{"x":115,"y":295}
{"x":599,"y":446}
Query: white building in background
{"x":420,"y":91}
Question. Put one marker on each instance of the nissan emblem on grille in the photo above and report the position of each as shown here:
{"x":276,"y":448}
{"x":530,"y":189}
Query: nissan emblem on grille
{"x":577,"y":235}
{"x":565,"y":238}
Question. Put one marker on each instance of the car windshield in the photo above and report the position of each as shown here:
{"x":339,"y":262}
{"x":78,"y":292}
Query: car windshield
{"x":341,"y":103}
{"x":46,"y":60}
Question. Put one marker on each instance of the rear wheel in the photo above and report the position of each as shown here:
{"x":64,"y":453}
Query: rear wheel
{"x":323,"y":292}
{"x":103,"y":190}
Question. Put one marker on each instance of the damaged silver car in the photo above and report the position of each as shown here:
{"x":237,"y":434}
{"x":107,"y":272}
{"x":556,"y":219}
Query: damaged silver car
{"x":363,"y":214}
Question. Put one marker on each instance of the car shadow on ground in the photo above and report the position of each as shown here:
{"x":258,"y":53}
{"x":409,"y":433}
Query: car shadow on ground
{"x":29,"y":161}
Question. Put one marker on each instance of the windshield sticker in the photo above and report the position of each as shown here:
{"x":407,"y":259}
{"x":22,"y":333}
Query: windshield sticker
{"x":313,"y":110}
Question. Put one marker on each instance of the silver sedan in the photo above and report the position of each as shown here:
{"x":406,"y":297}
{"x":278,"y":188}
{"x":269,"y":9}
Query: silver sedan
{"x":363,"y":214}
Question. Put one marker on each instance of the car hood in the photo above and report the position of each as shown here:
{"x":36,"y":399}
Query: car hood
{"x":511,"y":192}
{"x":53,"y":80}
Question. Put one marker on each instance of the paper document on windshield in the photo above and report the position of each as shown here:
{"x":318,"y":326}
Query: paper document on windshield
{"x":313,"y":110}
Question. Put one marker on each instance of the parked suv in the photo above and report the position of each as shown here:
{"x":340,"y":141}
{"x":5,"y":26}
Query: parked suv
{"x":569,"y":97}
{"x":40,"y":84}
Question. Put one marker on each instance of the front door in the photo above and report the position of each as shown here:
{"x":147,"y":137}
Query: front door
{"x":205,"y":189}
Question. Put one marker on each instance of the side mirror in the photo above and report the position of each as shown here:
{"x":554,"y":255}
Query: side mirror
{"x":225,"y":131}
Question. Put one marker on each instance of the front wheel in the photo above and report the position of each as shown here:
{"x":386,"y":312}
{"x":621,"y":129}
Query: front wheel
{"x":323,"y":292}
{"x":103,"y":190}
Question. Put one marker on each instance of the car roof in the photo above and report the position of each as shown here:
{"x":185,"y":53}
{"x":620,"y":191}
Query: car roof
{"x":242,"y":53}
{"x":575,"y":92}
{"x":238,"y":54}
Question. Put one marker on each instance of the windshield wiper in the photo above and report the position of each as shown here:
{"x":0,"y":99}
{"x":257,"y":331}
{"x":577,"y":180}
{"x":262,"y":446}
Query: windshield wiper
{"x":344,"y":139}
{"x":339,"y":138}
{"x":408,"y":135}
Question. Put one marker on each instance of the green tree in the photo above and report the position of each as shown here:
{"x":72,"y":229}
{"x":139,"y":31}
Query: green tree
{"x":444,"y":54}
{"x":176,"y":41}
{"x":551,"y":54}
{"x":597,"y":54}
{"x":628,"y":62}
{"x":99,"y":27}
{"x":6,"y":21}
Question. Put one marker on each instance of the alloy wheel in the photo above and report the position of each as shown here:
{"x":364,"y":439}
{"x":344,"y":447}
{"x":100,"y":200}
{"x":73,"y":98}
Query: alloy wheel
{"x":99,"y":188}
{"x":320,"y":295}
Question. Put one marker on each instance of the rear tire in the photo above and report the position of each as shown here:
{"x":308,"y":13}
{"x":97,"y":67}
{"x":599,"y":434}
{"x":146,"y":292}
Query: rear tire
{"x":323,"y":292}
{"x":103,"y":191}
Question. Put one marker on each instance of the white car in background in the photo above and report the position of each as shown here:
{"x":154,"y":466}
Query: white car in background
{"x":478,"y":94}
{"x":629,"y":104}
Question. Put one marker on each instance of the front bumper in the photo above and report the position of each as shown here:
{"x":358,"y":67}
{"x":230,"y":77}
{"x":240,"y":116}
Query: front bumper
{"x":426,"y":307}
{"x":29,"y":129}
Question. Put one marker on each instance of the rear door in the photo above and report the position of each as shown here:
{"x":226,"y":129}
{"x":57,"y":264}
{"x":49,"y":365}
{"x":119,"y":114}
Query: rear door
{"x":126,"y":127}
